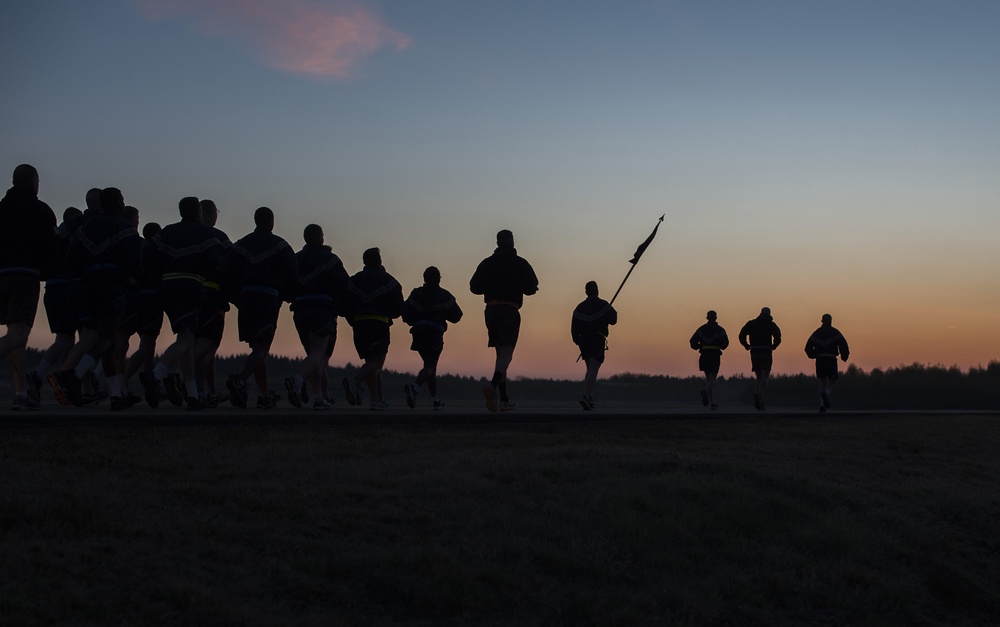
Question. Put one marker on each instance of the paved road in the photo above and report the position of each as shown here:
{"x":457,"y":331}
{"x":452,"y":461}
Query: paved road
{"x":344,"y":415}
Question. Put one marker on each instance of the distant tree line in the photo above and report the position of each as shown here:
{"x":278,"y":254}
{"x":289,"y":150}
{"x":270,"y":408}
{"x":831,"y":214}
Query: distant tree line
{"x":912,"y":387}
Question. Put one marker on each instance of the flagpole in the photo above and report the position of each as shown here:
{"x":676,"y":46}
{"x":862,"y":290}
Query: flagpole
{"x":638,"y":255}
{"x":634,"y":261}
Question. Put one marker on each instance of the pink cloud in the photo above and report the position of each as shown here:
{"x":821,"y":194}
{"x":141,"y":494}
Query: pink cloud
{"x":321,"y":39}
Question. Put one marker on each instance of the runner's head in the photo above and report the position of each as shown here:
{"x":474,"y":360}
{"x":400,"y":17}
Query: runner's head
{"x":372,"y":257}
{"x":711,"y":316}
{"x":132,"y":215}
{"x":264,"y":218}
{"x":313,"y":235}
{"x":209,"y":212}
{"x":71,"y":213}
{"x":189,"y":208}
{"x":111,"y":200}
{"x":26,"y":176}
{"x":505,"y":239}
{"x":591,"y":288}
{"x":432,"y":276}
{"x":150,"y":230}
{"x":94,"y":199}
{"x":827,"y":319}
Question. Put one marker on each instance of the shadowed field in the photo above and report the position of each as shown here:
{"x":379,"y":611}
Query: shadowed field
{"x":745,"y":519}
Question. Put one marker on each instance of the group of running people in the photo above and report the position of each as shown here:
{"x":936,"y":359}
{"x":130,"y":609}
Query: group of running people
{"x":104,"y":283}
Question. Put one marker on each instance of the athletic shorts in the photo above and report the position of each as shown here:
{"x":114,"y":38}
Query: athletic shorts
{"x":503,"y":324}
{"x":761,"y":360}
{"x":593,"y":348}
{"x":182,"y":300}
{"x":710,"y":361}
{"x":150,"y":313}
{"x":212,"y":317}
{"x":371,"y":338}
{"x":318,"y":321}
{"x":62,"y":306}
{"x":258,"y":316}
{"x":427,"y":341}
{"x":102,"y":299}
{"x":826,"y":368}
{"x":129,"y":322}
{"x":19,"y":298}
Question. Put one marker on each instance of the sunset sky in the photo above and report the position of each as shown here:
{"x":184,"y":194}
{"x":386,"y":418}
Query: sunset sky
{"x":812,"y":157}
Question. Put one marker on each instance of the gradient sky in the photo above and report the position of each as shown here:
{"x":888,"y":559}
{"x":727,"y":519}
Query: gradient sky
{"x":813,"y":157}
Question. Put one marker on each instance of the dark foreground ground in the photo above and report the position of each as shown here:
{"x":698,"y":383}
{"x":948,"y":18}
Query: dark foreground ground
{"x":545,"y":516}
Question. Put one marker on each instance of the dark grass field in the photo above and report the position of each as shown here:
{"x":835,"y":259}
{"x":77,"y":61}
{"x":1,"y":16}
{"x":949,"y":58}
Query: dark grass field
{"x":549,"y":516}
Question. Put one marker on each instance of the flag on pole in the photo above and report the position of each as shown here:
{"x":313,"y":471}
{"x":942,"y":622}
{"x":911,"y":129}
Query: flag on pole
{"x":642,"y":247}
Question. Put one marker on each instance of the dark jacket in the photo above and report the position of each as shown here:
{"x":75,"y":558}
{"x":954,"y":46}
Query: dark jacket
{"x":592,"y":317}
{"x":322,"y":279}
{"x":430,"y":308}
{"x":373,"y":293}
{"x":827,"y":341}
{"x":760,"y":334}
{"x":59,"y":269}
{"x":107,"y":248}
{"x":27,"y":233}
{"x":504,"y":277}
{"x":188,"y":249}
{"x":261,"y":260}
{"x":710,"y":338}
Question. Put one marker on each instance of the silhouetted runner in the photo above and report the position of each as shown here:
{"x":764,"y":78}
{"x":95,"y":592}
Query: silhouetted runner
{"x":710,"y":340}
{"x":27,"y":243}
{"x":761,"y":336}
{"x":62,"y":295}
{"x":589,"y":329}
{"x":824,"y":345}
{"x":322,"y":283}
{"x":185,"y":252}
{"x":150,"y":308}
{"x":107,"y":249}
{"x":212,"y":317}
{"x":259,"y":273}
{"x":503,"y":279}
{"x":428,"y":310}
{"x":374,"y":299}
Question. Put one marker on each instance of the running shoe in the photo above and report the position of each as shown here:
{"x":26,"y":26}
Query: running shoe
{"x":57,"y":389}
{"x":350,"y":392}
{"x":25,"y":403}
{"x":34,"y":384}
{"x":293,"y":392}
{"x":120,"y":402}
{"x":508,"y":405}
{"x":175,"y":389}
{"x":196,"y":403}
{"x":237,"y":391}
{"x":411,"y":395}
{"x":490,"y":395}
{"x":321,"y":404}
{"x":268,"y":402}
{"x":71,"y":386}
{"x":587,"y":402}
{"x":438,"y":405}
{"x":150,"y":389}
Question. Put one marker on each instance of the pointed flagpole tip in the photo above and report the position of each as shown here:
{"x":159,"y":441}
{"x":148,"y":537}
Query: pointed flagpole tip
{"x":661,"y":217}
